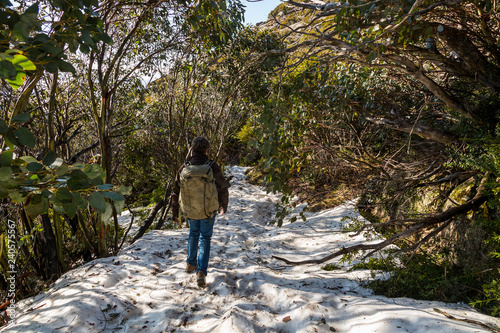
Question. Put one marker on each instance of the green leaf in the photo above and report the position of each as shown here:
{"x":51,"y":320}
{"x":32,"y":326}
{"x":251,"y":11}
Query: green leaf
{"x":3,"y":127}
{"x":16,"y":197}
{"x":10,"y":139}
{"x":78,"y":180}
{"x":46,"y":193}
{"x":34,"y":166}
{"x":3,"y":193}
{"x":82,"y":203}
{"x":55,"y":50}
{"x":78,"y":166}
{"x":372,"y":56}
{"x":6,"y":158}
{"x":21,"y":31}
{"x":21,"y":118}
{"x":106,"y":38}
{"x":84,"y":48}
{"x":30,"y":19}
{"x":5,"y":173}
{"x":17,"y":81}
{"x":119,"y":205}
{"x":45,"y":177}
{"x":87,"y":38}
{"x":33,"y":9}
{"x":25,"y":137}
{"x":66,"y":67}
{"x":51,"y":67}
{"x":98,"y":201}
{"x":70,"y":208}
{"x":63,"y":195}
{"x":49,"y":158}
{"x":28,"y":159}
{"x":97,"y":181}
{"x":73,"y":45}
{"x":114,"y":196}
{"x":62,"y":170}
{"x":428,"y":32}
{"x":93,"y":171}
{"x":57,"y":205}
{"x":7,"y":70}
{"x":108,"y":212}
{"x":36,"y":205}
{"x":124,"y":190}
{"x":23,"y":62}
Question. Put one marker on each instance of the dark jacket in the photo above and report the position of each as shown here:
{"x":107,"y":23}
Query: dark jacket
{"x":220,"y":182}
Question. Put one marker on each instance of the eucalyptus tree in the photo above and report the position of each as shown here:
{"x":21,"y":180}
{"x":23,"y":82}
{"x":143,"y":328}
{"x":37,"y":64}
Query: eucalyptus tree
{"x":37,"y":188}
{"x":145,"y":32}
{"x":47,"y":195}
{"x":203,"y":92}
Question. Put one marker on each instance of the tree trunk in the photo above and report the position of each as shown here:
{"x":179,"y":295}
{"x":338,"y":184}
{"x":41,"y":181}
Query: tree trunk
{"x":52,"y":110}
{"x":149,"y":220}
{"x":49,"y":250}
{"x":105,"y":144}
{"x":58,"y":226}
{"x":102,"y":230}
{"x":166,"y":208}
{"x":421,"y":130}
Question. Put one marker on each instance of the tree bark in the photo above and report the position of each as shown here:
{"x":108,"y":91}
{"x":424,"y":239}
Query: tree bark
{"x":49,"y":250}
{"x":149,"y":220}
{"x":421,"y":130}
{"x":166,"y":208}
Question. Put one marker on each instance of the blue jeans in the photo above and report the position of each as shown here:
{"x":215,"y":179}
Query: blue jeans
{"x":204,"y":228}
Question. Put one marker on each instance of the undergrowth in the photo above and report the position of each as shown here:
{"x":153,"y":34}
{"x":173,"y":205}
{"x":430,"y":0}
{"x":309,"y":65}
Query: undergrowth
{"x":421,"y":278}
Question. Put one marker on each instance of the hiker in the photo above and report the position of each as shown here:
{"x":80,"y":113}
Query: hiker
{"x":200,"y":192}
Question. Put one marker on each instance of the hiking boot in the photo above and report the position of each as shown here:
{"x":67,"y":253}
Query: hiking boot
{"x":191,"y":269}
{"x":200,"y":278}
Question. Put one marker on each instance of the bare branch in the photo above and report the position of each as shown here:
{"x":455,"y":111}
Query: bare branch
{"x":421,"y":130}
{"x":81,"y":152}
{"x":424,"y":223}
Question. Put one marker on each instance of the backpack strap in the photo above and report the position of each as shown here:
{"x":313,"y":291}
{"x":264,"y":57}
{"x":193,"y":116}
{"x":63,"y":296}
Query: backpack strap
{"x":209,"y":163}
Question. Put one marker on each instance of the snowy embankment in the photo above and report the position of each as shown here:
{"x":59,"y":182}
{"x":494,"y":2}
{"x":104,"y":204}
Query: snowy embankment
{"x":145,"y":288}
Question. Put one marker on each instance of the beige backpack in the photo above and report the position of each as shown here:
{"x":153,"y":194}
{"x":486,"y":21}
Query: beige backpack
{"x":198,"y":198}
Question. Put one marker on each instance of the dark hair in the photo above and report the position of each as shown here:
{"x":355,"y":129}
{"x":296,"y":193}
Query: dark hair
{"x":200,"y":144}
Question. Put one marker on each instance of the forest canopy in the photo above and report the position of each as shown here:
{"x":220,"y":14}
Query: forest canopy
{"x":393,"y":102}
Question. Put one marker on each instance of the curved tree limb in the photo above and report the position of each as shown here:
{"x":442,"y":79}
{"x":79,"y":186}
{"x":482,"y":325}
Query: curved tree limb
{"x":359,"y":247}
{"x":421,"y":130}
{"x":470,"y":321}
{"x":81,"y":152}
{"x":419,"y":226}
{"x":148,"y":221}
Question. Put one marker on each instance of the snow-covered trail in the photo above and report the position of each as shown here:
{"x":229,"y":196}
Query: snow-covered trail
{"x":145,"y":288}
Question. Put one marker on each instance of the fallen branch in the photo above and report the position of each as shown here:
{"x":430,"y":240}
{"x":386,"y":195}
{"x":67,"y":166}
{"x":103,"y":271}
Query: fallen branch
{"x":148,"y":221}
{"x":419,"y":226}
{"x":359,"y":247}
{"x":470,"y":321}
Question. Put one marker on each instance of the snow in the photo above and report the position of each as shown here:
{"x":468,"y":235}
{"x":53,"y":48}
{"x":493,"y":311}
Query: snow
{"x":145,"y":288}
